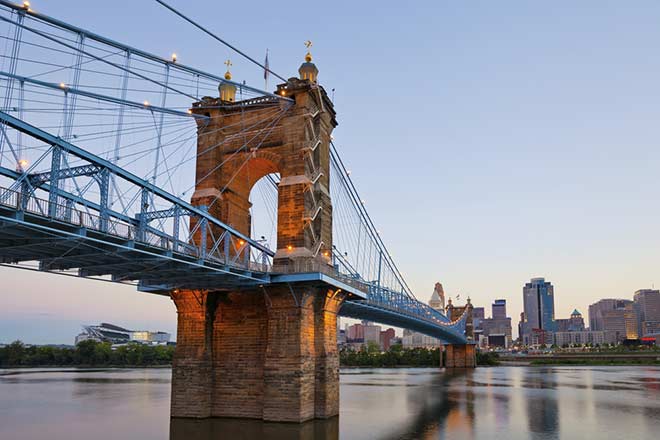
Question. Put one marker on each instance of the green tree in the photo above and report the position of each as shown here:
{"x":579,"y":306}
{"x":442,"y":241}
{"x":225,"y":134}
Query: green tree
{"x":373,"y":347}
{"x":85,"y":352}
{"x":102,"y":354}
{"x":15,"y":353}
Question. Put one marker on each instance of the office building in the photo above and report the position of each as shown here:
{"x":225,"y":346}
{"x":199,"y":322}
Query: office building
{"x":372,"y":333}
{"x":478,"y":314}
{"x":386,"y":338}
{"x":355,"y":333}
{"x":618,"y":318}
{"x":413,"y":339}
{"x":565,"y":338}
{"x":495,"y":331}
{"x":150,"y":337}
{"x":647,"y":305}
{"x":499,"y":309}
{"x":573,"y":324}
{"x":539,"y":308}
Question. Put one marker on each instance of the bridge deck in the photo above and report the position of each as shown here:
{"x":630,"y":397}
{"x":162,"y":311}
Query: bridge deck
{"x":64,"y":246}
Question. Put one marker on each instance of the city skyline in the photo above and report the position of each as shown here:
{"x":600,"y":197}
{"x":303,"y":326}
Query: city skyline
{"x":480,"y":166}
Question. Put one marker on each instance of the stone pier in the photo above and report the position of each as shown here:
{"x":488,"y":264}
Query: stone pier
{"x":267,"y":354}
{"x":460,"y":356}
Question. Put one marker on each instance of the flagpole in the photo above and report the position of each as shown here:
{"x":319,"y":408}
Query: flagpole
{"x":266,"y":71}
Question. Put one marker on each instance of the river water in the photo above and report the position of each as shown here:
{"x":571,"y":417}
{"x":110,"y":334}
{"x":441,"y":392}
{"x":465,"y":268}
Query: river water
{"x":486,"y":403}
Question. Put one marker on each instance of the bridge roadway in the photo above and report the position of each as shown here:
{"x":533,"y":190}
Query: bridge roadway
{"x":65,"y":239}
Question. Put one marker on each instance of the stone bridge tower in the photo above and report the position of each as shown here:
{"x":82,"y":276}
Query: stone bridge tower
{"x":461,"y":356}
{"x":247,"y":140}
{"x":266,"y":352}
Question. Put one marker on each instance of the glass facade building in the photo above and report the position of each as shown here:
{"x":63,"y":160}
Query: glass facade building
{"x":539,"y":305}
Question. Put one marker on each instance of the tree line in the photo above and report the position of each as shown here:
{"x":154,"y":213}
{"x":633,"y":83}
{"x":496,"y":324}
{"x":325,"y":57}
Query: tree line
{"x":397,"y":356}
{"x":92,"y":353}
{"x":86,"y":353}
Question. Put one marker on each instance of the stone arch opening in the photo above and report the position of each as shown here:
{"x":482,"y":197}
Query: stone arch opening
{"x":263,"y":210}
{"x":238,"y":179}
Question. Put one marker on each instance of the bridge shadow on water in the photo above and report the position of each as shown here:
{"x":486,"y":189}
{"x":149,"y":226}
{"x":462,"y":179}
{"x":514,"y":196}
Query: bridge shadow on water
{"x":242,"y":429}
{"x":436,"y":407}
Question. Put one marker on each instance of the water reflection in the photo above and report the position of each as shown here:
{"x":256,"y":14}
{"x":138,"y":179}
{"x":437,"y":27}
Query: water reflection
{"x":240,"y":429}
{"x":383,"y":404}
{"x":543,"y":410}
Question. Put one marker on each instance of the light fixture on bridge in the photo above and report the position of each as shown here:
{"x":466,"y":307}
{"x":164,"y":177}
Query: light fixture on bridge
{"x":174,"y":57}
{"x":189,"y":111}
{"x":289,"y":248}
{"x":146,"y":103}
{"x":62,"y":85}
{"x":22,"y":165}
{"x":26,"y":5}
{"x":241,"y":242}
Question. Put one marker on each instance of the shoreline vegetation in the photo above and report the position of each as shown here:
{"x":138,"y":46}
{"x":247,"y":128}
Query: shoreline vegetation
{"x":91,"y":354}
{"x":85,"y":354}
{"x":397,"y":356}
{"x":593,"y":361}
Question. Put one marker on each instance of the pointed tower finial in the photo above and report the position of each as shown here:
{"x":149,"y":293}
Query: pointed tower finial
{"x":228,"y":73}
{"x":227,"y":90}
{"x":308,"y":56}
{"x":308,"y":70}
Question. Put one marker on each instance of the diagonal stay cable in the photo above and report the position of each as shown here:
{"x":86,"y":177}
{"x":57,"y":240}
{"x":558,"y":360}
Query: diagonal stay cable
{"x":206,"y":31}
{"x":110,"y":63}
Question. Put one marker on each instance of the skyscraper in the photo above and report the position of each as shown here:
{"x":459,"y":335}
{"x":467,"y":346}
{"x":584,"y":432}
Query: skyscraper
{"x":647,"y":305}
{"x":478,"y":315}
{"x":437,"y":300}
{"x":597,"y":310}
{"x":497,"y":328}
{"x":539,"y":306}
{"x":499,"y":309}
{"x":618,"y":318}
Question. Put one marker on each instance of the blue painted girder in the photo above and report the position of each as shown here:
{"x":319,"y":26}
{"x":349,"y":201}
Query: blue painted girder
{"x":451,"y":333}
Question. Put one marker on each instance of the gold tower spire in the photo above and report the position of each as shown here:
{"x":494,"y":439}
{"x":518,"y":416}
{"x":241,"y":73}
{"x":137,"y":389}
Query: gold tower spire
{"x":308,"y":70}
{"x":228,"y":73}
{"x":227,"y":90}
{"x":308,"y":56}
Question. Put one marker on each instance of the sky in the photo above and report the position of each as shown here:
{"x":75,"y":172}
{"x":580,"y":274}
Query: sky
{"x":492,"y":142}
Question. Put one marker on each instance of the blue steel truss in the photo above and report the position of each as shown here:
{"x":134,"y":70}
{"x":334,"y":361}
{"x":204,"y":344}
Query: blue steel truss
{"x":108,"y":243}
{"x":69,"y":232}
{"x":76,"y":220}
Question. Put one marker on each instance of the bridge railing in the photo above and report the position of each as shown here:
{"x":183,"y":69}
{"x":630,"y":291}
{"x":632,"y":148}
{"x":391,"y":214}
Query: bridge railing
{"x":157,"y":218}
{"x":319,"y":264}
{"x":26,"y":202}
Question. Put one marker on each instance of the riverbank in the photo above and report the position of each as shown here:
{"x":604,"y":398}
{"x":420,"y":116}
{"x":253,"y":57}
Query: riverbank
{"x":586,"y":359}
{"x":87,"y":354}
{"x":399,"y":357}
{"x":76,"y":368}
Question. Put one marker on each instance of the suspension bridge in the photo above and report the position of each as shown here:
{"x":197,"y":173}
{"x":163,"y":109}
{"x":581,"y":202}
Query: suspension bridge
{"x":121,"y":165}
